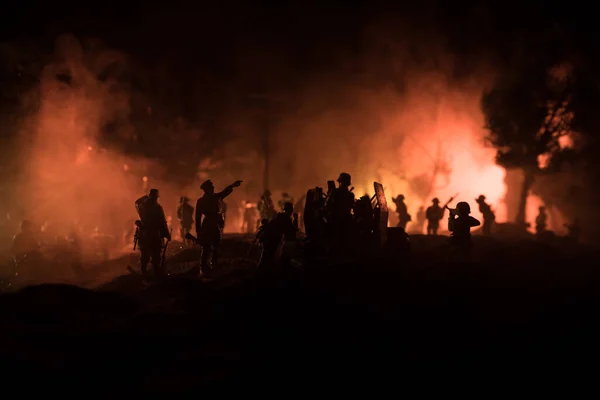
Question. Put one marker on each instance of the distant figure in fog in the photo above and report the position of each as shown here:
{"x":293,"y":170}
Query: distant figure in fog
{"x":488,"y":215}
{"x":403,"y":216}
{"x":250,"y":218}
{"x":460,"y":223}
{"x":185,"y":214}
{"x":266,"y":208}
{"x":541,"y":221}
{"x":421,"y":217}
{"x":434,"y":215}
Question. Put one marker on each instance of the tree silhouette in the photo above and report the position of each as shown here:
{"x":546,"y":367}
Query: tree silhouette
{"x":526,"y":113}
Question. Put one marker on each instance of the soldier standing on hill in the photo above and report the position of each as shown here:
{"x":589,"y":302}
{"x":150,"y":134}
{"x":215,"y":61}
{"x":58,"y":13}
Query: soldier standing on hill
{"x":488,"y":215}
{"x":210,"y":229}
{"x":434,"y":215}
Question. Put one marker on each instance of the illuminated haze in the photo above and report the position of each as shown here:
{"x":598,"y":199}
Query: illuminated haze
{"x":389,"y":127}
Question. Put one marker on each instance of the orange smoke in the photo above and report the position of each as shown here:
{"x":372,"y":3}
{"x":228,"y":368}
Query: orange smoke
{"x":73,"y":183}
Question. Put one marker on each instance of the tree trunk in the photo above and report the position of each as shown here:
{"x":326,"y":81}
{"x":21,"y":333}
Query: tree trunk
{"x":528,"y":178}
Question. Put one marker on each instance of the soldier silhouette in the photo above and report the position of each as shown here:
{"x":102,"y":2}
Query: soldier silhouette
{"x":339,"y":207}
{"x":185,"y":214}
{"x":153,"y":229}
{"x":210,"y":222}
{"x":541,"y":220}
{"x":250,"y":218}
{"x":341,"y":201}
{"x":460,"y":224}
{"x":421,"y":219}
{"x":283,"y":226}
{"x":488,"y":215}
{"x":403,"y":216}
{"x":434,"y":215}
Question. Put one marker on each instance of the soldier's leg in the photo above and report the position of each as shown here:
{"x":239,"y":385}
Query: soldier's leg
{"x":267,"y":255}
{"x":206,"y":253}
{"x":156,"y":260}
{"x":144,"y":259}
{"x":216,"y":247}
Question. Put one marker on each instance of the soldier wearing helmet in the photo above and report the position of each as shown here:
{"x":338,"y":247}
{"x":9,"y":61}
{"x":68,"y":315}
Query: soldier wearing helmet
{"x":488,"y":215}
{"x":339,"y":207}
{"x":210,"y":221}
{"x":341,"y":200}
{"x":460,"y":223}
{"x":434,"y":215}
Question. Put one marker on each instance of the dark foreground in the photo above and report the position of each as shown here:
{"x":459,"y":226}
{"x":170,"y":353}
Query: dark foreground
{"x":524,"y":310}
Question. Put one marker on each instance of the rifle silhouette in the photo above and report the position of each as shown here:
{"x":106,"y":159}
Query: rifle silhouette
{"x":451,"y":210}
{"x":163,"y":259}
{"x":136,"y":235}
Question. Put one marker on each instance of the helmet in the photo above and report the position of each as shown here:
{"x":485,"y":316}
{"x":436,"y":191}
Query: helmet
{"x":463,"y":208}
{"x":288,"y":207}
{"x":153,"y":193}
{"x":480,"y":198}
{"x":400,"y":197}
{"x":344,"y":179}
{"x":207,"y":185}
{"x":435,"y":200}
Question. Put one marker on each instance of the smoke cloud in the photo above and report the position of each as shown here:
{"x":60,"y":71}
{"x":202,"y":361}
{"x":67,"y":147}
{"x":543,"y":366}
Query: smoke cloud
{"x":400,"y":111}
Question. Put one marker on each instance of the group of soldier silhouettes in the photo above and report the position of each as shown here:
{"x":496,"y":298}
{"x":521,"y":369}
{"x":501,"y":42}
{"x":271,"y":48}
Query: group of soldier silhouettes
{"x":435,"y":213}
{"x":333,"y":221}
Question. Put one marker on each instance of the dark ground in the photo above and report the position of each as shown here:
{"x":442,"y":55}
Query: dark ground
{"x":517,"y":312}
